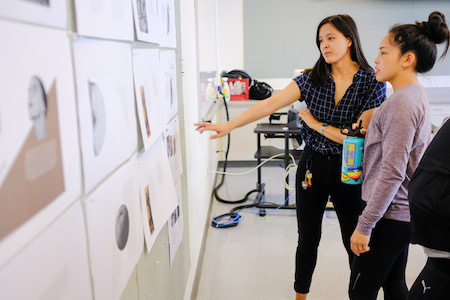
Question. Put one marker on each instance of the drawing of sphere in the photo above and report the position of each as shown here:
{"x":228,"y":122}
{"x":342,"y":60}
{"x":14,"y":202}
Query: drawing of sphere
{"x":98,"y":111}
{"x":122,"y":227}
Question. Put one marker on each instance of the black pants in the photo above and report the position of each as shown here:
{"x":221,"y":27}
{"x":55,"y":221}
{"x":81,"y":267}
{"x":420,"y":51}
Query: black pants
{"x":384,"y":264}
{"x":433,"y":283}
{"x":311,"y":203}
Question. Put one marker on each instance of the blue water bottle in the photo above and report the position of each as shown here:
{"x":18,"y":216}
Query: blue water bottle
{"x":352,"y":156}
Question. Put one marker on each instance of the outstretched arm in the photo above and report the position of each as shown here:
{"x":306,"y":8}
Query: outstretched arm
{"x":288,"y":95}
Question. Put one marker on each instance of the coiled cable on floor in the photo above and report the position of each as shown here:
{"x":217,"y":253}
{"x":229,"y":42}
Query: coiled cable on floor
{"x":233,"y":220}
{"x":234,"y":217}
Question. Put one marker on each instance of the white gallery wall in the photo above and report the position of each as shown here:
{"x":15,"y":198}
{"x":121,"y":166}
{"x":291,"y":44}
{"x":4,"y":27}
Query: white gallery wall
{"x":200,"y":151}
{"x":93,"y":185}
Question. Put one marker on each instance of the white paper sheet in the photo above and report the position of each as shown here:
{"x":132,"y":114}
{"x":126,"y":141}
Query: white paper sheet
{"x":53,"y":266}
{"x":43,"y":12}
{"x":115,"y":234}
{"x":152,"y":111}
{"x":167,"y":23}
{"x":146,"y":20}
{"x":171,"y":138}
{"x":105,"y":19}
{"x":106,"y":108}
{"x":176,"y":226}
{"x":157,"y":191}
{"x":169,"y":76}
{"x":40,"y":173}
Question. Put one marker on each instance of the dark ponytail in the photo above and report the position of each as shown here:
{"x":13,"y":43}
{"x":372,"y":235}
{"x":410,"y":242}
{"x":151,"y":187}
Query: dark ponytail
{"x":422,"y":38}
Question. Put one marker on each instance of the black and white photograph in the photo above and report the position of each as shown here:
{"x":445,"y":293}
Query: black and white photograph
{"x":98,"y":116}
{"x":122,"y":227}
{"x":37,"y":107}
{"x":146,"y":20}
{"x":142,"y":15}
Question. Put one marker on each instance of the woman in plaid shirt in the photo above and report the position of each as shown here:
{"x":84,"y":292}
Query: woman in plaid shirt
{"x":339,"y":90}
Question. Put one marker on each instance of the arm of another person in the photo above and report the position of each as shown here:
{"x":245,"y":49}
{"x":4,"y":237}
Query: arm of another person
{"x":288,"y":95}
{"x":331,"y":132}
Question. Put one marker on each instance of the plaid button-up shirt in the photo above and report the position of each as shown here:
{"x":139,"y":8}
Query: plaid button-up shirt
{"x":364,"y":93}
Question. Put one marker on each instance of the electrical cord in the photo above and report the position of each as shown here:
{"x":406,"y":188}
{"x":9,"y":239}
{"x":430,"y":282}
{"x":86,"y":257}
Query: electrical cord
{"x":290,"y":168}
{"x":216,"y":194}
{"x":233,"y":220}
{"x":234,"y":217}
{"x":251,"y":170}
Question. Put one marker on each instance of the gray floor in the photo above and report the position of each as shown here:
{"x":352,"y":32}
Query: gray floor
{"x":255,"y":260}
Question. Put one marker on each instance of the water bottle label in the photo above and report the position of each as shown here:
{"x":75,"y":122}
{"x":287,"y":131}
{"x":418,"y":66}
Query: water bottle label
{"x":355,"y":173}
{"x":352,"y":162}
{"x":349,"y":154}
{"x":344,"y":177}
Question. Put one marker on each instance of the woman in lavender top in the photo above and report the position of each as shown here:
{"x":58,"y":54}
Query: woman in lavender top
{"x":396,"y":138}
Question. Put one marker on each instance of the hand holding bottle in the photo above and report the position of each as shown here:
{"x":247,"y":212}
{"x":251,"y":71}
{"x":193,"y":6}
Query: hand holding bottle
{"x":352,"y":155}
{"x":354,"y":126}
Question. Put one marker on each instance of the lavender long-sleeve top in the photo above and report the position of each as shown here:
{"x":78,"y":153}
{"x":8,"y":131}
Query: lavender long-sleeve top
{"x":395,"y":141}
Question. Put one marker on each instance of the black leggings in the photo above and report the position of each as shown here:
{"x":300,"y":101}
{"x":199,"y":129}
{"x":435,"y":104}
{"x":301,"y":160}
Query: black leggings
{"x":311,"y":203}
{"x":433,"y":283}
{"x":384,"y":264}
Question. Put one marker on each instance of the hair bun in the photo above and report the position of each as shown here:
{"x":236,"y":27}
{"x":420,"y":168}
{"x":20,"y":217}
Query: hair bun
{"x":438,"y":27}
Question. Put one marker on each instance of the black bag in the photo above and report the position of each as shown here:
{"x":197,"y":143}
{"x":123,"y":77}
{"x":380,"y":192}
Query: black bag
{"x":260,"y":90}
{"x":237,"y":74}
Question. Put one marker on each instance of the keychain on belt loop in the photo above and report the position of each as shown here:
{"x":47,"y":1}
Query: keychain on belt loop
{"x":308,"y":175}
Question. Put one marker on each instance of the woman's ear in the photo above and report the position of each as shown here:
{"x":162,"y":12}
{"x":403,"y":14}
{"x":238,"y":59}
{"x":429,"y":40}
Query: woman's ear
{"x":349,"y":42}
{"x":409,"y":59}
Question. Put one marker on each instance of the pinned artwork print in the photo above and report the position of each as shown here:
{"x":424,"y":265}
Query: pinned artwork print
{"x":37,"y":165}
